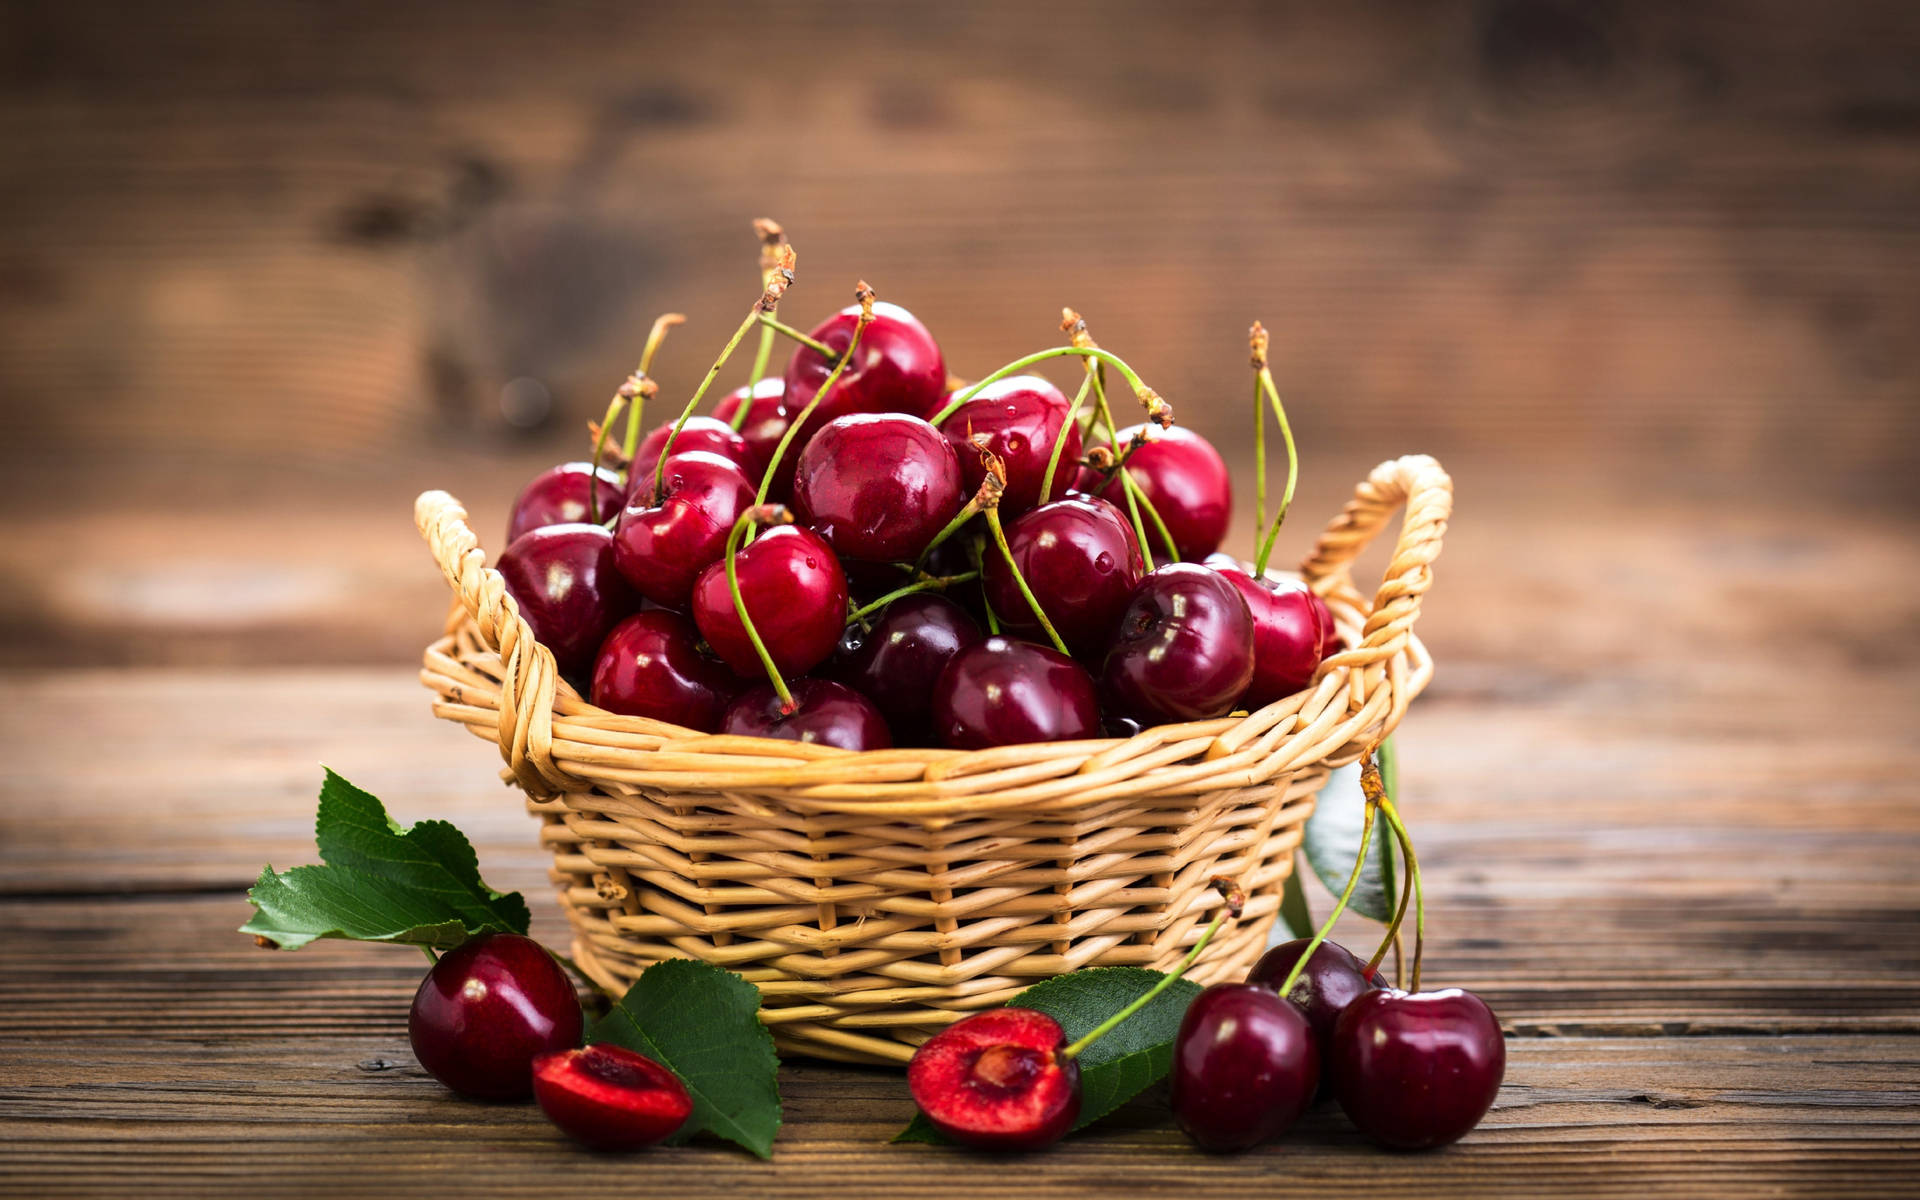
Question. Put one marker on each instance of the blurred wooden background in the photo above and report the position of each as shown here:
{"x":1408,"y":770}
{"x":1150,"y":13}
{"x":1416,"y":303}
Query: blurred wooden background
{"x":267,"y":269}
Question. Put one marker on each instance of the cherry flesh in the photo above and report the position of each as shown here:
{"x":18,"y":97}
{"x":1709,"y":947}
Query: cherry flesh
{"x":877,"y":486}
{"x":768,"y":416}
{"x":995,"y":1080}
{"x":1245,"y":1067}
{"x":1332,"y":979}
{"x":1003,"y":692}
{"x":896,"y":368}
{"x":1414,"y":1070}
{"x":558,"y":496}
{"x":1187,"y":482}
{"x":1184,"y":647}
{"x":1291,"y":630}
{"x":487,"y":1009}
{"x":796,"y":593}
{"x":910,"y":642}
{"x":699,"y":433}
{"x":1020,"y":417}
{"x":652,"y":665}
{"x":665,"y":539}
{"x":610,"y":1098}
{"x":568,"y":589}
{"x":824,"y":713}
{"x":1081,"y":559}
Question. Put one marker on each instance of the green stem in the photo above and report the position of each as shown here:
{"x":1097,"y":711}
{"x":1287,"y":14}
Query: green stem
{"x":800,"y":418}
{"x":1234,"y":901}
{"x":1060,"y":439}
{"x":740,"y":527}
{"x":930,"y":583}
{"x":1146,"y":502}
{"x":753,"y":380}
{"x":976,"y":553}
{"x":775,"y":325}
{"x":431,"y":956}
{"x":1021,"y":364}
{"x":1000,"y":538}
{"x":1293,"y":471}
{"x":599,"y":447}
{"x":1387,"y":761}
{"x":1353,"y":880}
{"x":1259,"y":459}
{"x":967,"y":512}
{"x":659,"y":468}
{"x":1392,"y":815}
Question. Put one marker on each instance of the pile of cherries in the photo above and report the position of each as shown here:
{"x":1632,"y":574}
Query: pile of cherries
{"x":864,"y":553}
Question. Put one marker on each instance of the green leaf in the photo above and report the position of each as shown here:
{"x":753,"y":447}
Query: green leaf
{"x":381,"y":882}
{"x":703,"y":1024}
{"x":1332,"y":839}
{"x":1133,"y":1056}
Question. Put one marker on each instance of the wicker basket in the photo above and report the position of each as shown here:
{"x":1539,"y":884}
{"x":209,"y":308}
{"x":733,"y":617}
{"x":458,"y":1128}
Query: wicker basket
{"x":875,"y":897}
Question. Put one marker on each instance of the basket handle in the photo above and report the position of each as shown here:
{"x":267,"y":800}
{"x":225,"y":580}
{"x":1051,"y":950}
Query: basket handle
{"x":1424,"y":487}
{"x":530,"y":683}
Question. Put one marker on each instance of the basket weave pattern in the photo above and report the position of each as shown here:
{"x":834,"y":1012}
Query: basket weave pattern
{"x":875,"y":897}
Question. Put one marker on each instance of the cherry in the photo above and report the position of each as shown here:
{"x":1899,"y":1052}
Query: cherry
{"x":824,"y":712}
{"x":1415,"y":1070}
{"x":652,"y":665}
{"x":1184,"y":648}
{"x":609,"y":1097}
{"x":564,"y":580}
{"x":699,"y":433}
{"x":487,"y":1009}
{"x":768,"y":416}
{"x":1021,"y":417}
{"x":794,"y":587}
{"x":663,"y":541}
{"x":558,"y":496}
{"x":997,"y":1080}
{"x":1081,"y":559}
{"x":897,"y":368}
{"x":877,"y":486}
{"x":1290,"y":628}
{"x":1187,"y":482}
{"x":910,"y":642}
{"x":1245,"y":1067}
{"x":1001,"y":692}
{"x":1330,"y":981}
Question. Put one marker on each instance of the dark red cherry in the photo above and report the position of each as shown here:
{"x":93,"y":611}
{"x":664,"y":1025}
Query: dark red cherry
{"x":910,"y":642}
{"x":699,"y":433}
{"x":1187,"y":481}
{"x":652,"y":665}
{"x":1001,"y":692}
{"x":1245,"y":1067}
{"x":995,"y":1080}
{"x":1415,"y":1070}
{"x":564,"y":580}
{"x":796,"y":592}
{"x":662,"y":543}
{"x":824,"y":712}
{"x":1184,"y":647}
{"x":1082,"y":561}
{"x":896,"y":368}
{"x":877,"y":486}
{"x":768,"y":416}
{"x":1288,"y":631}
{"x":558,"y":496}
{"x":1333,"y":978}
{"x":1020,"y":417}
{"x":610,"y":1098}
{"x":487,"y":1009}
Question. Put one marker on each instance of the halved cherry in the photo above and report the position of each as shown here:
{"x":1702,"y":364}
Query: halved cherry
{"x":997,"y":1080}
{"x":609,"y":1097}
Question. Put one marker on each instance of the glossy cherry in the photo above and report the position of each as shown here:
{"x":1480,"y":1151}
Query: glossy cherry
{"x":796,"y":592}
{"x":877,"y":486}
{"x":996,"y":1080}
{"x":896,"y":368}
{"x":609,"y":1097}
{"x":1245,"y":1067}
{"x":652,"y":665}
{"x":487,"y":1009}
{"x":664,"y":540}
{"x":1081,"y":559}
{"x":824,"y":712}
{"x":564,"y":580}
{"x":909,"y":642}
{"x":1187,"y":481}
{"x":709,"y":434}
{"x":768,"y":416}
{"x":1332,"y":979}
{"x":1291,"y":627}
{"x":1414,"y":1070}
{"x":1184,"y":647}
{"x":1003,"y":692}
{"x":558,"y":496}
{"x":1020,"y":416}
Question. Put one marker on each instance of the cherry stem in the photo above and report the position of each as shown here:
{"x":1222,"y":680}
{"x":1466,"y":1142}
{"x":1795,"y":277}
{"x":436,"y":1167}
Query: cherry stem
{"x":1033,"y":602}
{"x":930,"y":583}
{"x":1293,"y":471}
{"x":1353,"y":881}
{"x":778,"y":515}
{"x":699,"y":394}
{"x":775,"y":257}
{"x":1020,"y":364}
{"x":1236,"y":901}
{"x":967,"y":512}
{"x":775,"y":325}
{"x":593,"y":465}
{"x":977,"y":553}
{"x":639,"y":381}
{"x":1060,"y":439}
{"x":1138,"y":494}
{"x":865,"y":295}
{"x":759,"y":372}
{"x":431,"y":956}
{"x":1399,"y":828}
{"x":1389,"y":784}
